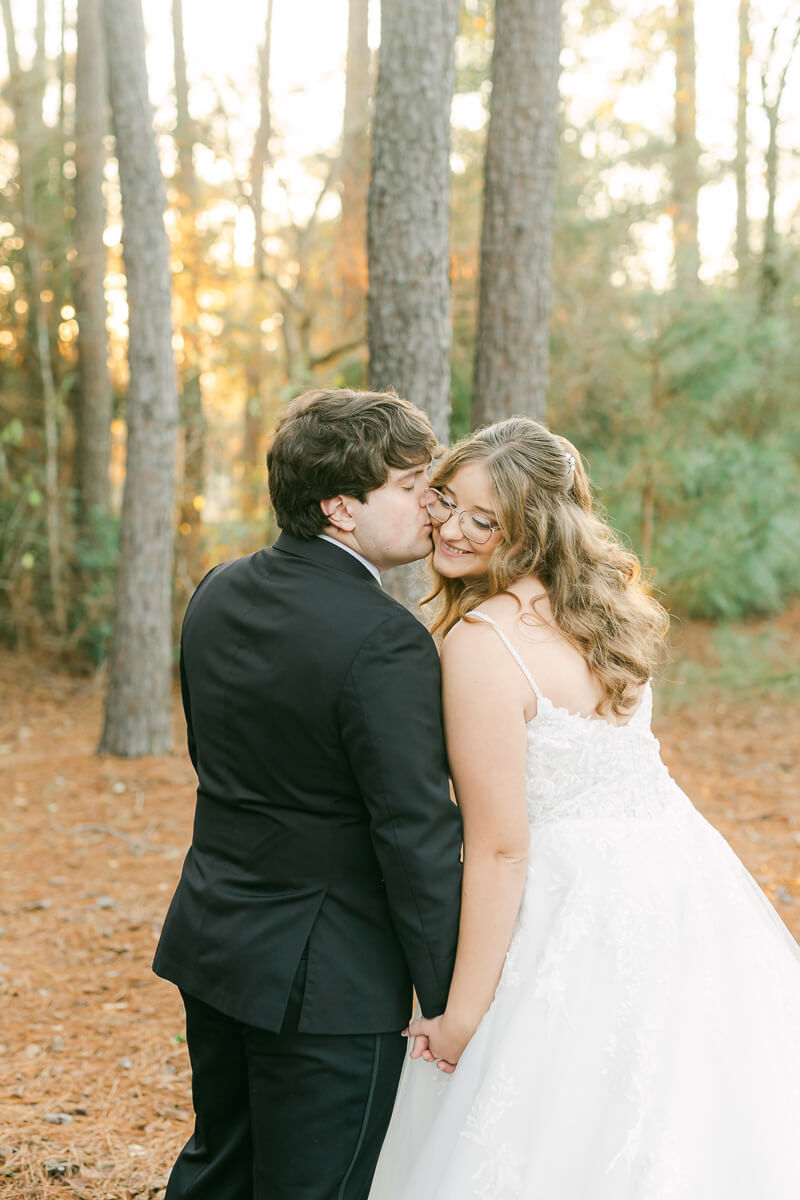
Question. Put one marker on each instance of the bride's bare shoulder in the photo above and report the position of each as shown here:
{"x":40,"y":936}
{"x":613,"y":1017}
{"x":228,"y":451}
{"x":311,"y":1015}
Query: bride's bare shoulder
{"x":478,"y":671}
{"x":463,"y":637}
{"x":470,"y":638}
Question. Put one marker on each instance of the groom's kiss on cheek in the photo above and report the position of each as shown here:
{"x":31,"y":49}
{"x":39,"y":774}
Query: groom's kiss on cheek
{"x":391,"y":526}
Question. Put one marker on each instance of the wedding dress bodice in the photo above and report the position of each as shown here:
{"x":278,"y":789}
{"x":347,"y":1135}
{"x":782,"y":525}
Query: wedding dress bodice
{"x":585,"y":768}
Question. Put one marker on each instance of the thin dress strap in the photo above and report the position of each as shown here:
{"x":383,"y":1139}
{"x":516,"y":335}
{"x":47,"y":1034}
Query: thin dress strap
{"x":514,"y":653}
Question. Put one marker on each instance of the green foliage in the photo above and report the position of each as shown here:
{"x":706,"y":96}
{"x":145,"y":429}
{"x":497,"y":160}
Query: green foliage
{"x":351,"y":374}
{"x":694,"y":451}
{"x":684,"y":409}
{"x":738,"y":660}
{"x":460,"y":397}
{"x":23,"y":549}
{"x":95,"y":561}
{"x":726,"y":537}
{"x":683,"y":405}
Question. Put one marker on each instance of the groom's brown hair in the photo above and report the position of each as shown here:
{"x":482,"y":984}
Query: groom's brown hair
{"x":340,"y":442}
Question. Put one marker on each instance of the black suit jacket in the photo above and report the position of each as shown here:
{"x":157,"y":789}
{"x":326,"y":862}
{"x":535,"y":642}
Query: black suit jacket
{"x":323,"y":817}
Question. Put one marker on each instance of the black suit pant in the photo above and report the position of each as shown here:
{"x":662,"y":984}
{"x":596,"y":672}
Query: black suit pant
{"x":283,"y":1116}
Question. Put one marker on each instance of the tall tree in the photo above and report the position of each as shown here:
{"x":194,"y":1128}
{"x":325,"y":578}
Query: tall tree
{"x":771,"y":99}
{"x":184,"y":133}
{"x":26,"y":90}
{"x":260,"y":156}
{"x":137,"y":715}
{"x":408,"y":307}
{"x":742,"y":228}
{"x":685,"y":166}
{"x":354,"y":166}
{"x":254,"y":368}
{"x":94,"y":404}
{"x":511,"y":361}
{"x":192,"y":481}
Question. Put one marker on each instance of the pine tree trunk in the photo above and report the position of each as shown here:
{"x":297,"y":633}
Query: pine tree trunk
{"x":184,"y":140}
{"x":254,"y":431}
{"x":685,"y":174}
{"x":511,"y":361}
{"x":742,"y":230}
{"x":408,"y":307}
{"x":770,"y":268}
{"x":770,"y":276}
{"x":94,"y":409}
{"x":192,"y":484}
{"x":137,"y":718}
{"x":354,"y":169}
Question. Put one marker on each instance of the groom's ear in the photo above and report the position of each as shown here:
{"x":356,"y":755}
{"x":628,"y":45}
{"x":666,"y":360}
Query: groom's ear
{"x":337,"y":513}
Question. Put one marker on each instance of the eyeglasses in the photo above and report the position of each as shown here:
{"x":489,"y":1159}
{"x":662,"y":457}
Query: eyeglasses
{"x":475,"y":526}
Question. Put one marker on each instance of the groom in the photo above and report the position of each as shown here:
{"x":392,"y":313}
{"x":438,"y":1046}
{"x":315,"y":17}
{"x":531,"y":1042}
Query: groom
{"x":323,"y":878}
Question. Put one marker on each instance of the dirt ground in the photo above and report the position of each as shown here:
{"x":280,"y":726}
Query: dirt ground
{"x":95,"y":1088}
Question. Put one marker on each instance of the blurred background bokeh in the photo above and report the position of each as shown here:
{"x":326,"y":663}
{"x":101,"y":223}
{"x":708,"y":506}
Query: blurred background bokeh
{"x":673,"y":300}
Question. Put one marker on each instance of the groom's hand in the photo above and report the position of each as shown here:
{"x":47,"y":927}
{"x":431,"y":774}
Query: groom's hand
{"x":419,"y":1046}
{"x":438,"y":1040}
{"x":421,"y":1049}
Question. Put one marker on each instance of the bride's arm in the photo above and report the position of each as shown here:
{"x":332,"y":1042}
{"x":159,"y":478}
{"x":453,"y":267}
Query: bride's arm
{"x":484,"y":696}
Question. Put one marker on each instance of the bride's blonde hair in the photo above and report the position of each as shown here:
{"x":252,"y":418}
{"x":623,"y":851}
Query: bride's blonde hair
{"x":551,"y":530}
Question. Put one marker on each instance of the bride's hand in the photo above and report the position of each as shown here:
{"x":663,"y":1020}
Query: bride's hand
{"x":438,"y":1038}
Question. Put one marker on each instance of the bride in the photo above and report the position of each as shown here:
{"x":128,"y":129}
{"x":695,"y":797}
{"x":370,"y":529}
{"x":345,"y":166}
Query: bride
{"x":625,"y":1005}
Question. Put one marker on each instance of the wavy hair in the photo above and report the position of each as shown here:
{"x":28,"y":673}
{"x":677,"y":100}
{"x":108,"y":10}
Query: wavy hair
{"x":551,"y":529}
{"x":337,"y":440}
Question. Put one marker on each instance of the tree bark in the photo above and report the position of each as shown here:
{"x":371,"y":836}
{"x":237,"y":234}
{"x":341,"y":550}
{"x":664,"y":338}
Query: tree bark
{"x":511,"y":361}
{"x":685,"y":171}
{"x":137,"y":717}
{"x":193,"y":476}
{"x":354,"y":169}
{"x":261,"y":144}
{"x":770,"y":270}
{"x":184,"y":134}
{"x":408,"y":306}
{"x":742,"y":229}
{"x":254,"y":432}
{"x":770,"y":277}
{"x":94,"y":404}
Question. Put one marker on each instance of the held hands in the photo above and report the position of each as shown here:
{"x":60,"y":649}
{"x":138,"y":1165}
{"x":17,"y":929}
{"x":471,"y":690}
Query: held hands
{"x":438,"y":1040}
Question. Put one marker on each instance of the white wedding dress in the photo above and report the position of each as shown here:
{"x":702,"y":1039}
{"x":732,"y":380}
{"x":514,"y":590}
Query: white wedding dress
{"x":644,"y":1040}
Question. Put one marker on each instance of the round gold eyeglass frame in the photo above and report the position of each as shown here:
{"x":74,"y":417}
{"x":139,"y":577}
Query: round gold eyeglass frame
{"x":435,"y":499}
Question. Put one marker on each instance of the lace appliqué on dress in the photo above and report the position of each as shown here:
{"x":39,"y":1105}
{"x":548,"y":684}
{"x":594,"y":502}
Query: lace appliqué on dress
{"x":499,"y":1172}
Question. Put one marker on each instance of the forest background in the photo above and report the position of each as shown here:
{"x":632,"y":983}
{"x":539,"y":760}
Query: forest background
{"x":319,"y":196}
{"x":674,"y":356}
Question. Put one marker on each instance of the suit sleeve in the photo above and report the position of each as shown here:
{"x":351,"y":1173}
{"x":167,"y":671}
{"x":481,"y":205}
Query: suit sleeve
{"x":391,"y":721}
{"x":187,"y":712}
{"x":185,"y":692}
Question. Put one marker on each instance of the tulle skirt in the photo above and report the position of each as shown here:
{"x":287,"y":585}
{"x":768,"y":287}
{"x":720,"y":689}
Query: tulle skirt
{"x":644,"y":1041}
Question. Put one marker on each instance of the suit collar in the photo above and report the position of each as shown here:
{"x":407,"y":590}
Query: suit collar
{"x":324,"y":554}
